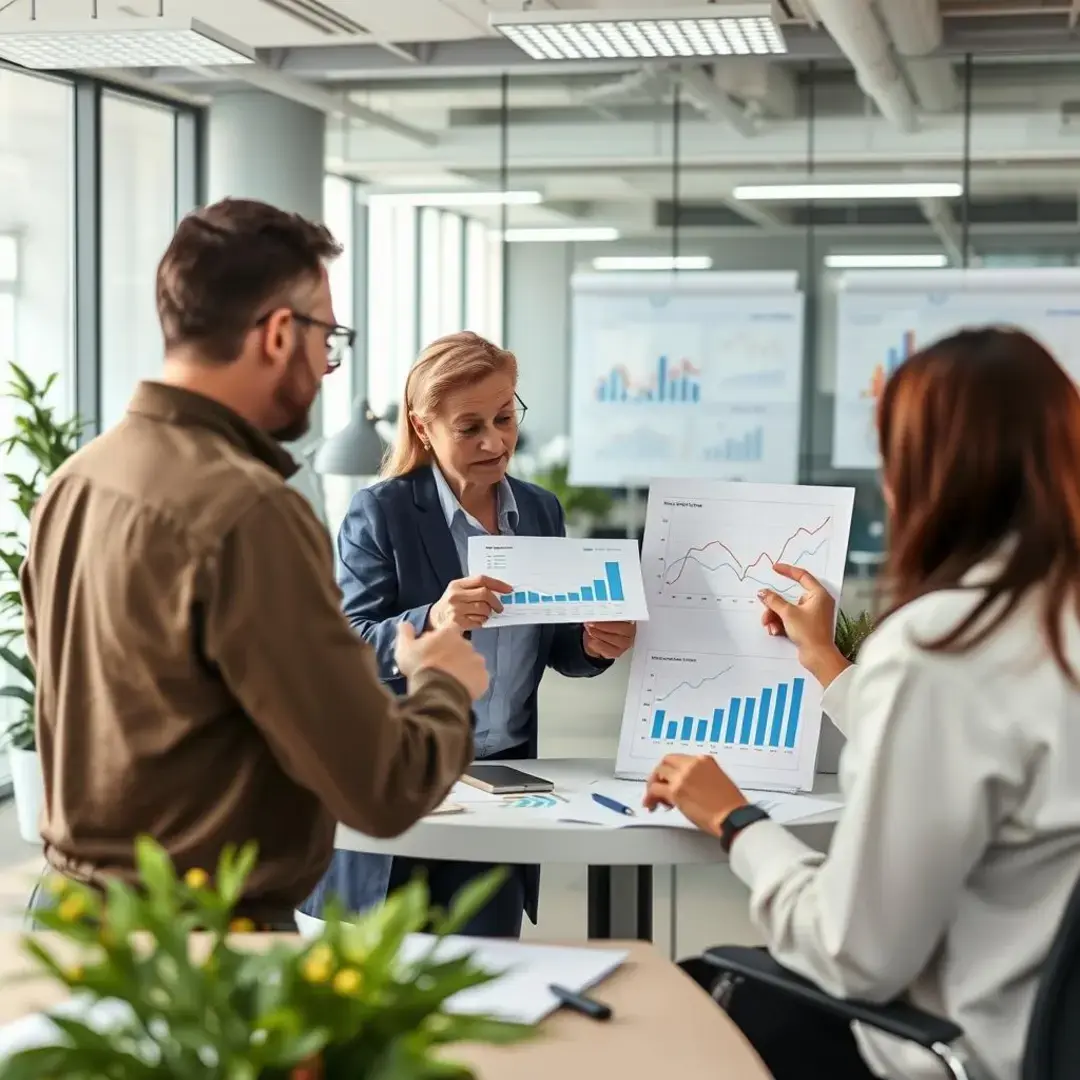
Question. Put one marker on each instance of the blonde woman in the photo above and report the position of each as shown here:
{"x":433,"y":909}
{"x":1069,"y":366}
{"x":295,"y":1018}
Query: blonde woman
{"x":402,"y":557}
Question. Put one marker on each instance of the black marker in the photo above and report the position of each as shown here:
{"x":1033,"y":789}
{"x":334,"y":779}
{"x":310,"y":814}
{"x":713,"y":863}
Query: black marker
{"x":597,"y":1010}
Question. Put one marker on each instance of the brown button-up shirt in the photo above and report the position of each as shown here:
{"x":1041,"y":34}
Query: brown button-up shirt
{"x":197,"y":681}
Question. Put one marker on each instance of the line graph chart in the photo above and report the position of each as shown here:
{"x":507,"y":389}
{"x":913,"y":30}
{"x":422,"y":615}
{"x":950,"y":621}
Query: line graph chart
{"x":716,"y":554}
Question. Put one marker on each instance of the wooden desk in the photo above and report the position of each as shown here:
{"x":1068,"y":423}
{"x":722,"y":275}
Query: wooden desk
{"x":662,"y":1022}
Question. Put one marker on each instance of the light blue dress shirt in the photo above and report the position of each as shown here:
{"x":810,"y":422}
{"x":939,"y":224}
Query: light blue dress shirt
{"x":508,"y":651}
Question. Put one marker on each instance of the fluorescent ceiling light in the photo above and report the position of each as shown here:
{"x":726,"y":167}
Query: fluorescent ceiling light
{"x":913,"y":190}
{"x":46,"y":45}
{"x":652,"y":262}
{"x":898,"y":261}
{"x":568,"y":234}
{"x":725,"y":29}
{"x":459,"y":198}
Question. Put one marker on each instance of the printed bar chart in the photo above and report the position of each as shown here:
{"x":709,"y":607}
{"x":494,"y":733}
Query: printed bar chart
{"x":770,"y":719}
{"x":668,"y":384}
{"x":610,"y":587}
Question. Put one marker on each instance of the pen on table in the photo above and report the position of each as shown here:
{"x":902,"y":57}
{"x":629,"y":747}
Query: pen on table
{"x":587,"y":1006}
{"x":612,"y":804}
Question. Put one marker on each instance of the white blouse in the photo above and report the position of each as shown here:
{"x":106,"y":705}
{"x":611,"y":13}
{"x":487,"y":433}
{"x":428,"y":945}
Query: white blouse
{"x":959,"y":843}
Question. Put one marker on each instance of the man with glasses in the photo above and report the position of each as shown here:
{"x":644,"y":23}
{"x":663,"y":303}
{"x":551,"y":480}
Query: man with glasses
{"x":196,"y":678}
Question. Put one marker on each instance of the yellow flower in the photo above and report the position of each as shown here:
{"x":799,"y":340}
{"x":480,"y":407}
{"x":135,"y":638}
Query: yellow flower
{"x":75,"y":973}
{"x":71,"y":908}
{"x":196,"y":878}
{"x":315,"y":971}
{"x":242,"y":926}
{"x":321,"y":954}
{"x":347,"y":981}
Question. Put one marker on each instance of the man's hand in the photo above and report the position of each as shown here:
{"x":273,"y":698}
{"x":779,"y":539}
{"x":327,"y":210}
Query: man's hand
{"x":468,"y":602}
{"x":441,"y":650}
{"x":697,"y":786}
{"x":608,"y":640}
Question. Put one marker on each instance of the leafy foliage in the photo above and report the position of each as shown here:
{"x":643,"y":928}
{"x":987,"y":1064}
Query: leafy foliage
{"x":349,"y":1004}
{"x":48,"y":442}
{"x":851,"y":632}
{"x":594,"y":502}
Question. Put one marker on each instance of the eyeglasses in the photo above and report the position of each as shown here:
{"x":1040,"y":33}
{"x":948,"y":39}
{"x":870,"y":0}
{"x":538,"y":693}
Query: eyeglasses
{"x":520,"y":410}
{"x":339,"y":339}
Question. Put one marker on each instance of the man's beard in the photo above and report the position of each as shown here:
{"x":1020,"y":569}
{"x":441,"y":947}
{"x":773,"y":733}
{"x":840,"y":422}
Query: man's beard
{"x":295,"y":396}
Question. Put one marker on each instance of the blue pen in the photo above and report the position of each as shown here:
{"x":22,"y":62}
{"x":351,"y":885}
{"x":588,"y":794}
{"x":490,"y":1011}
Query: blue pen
{"x":611,"y":804}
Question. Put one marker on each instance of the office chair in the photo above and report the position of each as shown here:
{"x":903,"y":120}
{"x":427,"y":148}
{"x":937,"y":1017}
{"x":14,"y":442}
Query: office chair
{"x":1052,"y":1046}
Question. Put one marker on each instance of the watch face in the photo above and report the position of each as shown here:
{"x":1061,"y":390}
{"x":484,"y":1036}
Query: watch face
{"x":738,"y":820}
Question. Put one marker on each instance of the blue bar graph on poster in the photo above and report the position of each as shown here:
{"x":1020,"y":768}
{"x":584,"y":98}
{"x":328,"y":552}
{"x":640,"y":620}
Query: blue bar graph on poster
{"x":610,"y":587}
{"x":767,"y":720}
{"x":658,"y":724}
{"x":667,"y":383}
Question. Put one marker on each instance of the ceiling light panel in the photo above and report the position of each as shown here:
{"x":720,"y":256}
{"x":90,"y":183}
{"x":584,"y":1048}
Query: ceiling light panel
{"x":728,"y":30}
{"x":902,"y":190}
{"x":652,"y":262}
{"x":45,"y":45}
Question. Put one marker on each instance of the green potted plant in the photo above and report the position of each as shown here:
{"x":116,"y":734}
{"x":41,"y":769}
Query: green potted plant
{"x":851,"y":632}
{"x":356,"y":1003}
{"x":584,"y":506}
{"x":44,"y":442}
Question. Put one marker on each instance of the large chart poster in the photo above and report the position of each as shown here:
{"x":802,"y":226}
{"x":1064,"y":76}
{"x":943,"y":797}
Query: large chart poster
{"x":885,"y":316}
{"x":695,"y":375}
{"x":706,"y":678}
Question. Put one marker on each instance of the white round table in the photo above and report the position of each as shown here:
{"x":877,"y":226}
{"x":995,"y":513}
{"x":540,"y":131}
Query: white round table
{"x":620,"y":860}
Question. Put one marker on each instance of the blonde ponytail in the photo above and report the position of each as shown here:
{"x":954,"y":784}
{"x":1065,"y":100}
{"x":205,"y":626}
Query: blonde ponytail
{"x":448,"y":364}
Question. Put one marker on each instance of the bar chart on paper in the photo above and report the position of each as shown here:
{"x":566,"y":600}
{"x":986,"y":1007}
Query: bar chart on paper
{"x":754,"y":714}
{"x":562,"y":579}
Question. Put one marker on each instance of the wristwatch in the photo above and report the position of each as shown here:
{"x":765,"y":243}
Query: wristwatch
{"x":740,"y":818}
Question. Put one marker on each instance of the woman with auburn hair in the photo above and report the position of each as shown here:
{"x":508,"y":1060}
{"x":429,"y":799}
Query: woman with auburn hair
{"x":959,"y":842}
{"x":402,"y":556}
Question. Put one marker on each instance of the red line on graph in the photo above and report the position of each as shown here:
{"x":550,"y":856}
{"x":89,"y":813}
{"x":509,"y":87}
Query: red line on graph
{"x":741,"y":571}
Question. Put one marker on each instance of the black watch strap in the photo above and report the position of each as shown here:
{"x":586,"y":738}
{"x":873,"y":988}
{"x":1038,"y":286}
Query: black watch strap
{"x":740,"y":818}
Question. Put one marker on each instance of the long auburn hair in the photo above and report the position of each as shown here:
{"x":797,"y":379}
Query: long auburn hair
{"x":447,"y":364}
{"x":980,"y":441}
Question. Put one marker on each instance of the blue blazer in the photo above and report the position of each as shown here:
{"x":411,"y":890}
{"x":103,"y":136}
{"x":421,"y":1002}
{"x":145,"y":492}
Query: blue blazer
{"x":395,"y":558}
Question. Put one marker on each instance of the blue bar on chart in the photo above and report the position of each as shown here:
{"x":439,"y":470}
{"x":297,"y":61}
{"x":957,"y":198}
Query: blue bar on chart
{"x":767,"y":720}
{"x":658,"y":724}
{"x":763,"y":717}
{"x":733,"y":719}
{"x":614,"y":580}
{"x":778,"y":715}
{"x":610,"y":587}
{"x":792,"y":731}
{"x":717,"y":725}
{"x":747,"y":722}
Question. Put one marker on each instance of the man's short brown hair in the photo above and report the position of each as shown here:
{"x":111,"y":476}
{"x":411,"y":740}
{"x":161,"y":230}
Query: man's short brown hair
{"x":228,"y":265}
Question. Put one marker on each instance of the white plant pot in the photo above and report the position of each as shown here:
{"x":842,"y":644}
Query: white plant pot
{"x":29,"y":786}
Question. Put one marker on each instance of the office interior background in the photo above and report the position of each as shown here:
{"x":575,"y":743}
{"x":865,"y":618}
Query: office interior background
{"x":357,"y":110}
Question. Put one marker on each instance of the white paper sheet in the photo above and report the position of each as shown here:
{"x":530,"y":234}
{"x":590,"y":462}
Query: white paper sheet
{"x":559,"y":579}
{"x":520,"y":995}
{"x":784,"y":808}
{"x":706,"y":678}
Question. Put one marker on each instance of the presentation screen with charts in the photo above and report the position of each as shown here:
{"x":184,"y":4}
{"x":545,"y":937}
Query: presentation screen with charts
{"x":685,"y":375}
{"x":706,"y":677}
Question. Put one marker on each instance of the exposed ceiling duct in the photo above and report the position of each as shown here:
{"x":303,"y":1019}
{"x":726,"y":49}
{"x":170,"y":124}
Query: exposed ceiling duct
{"x":917,"y":32}
{"x":857,"y":29}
